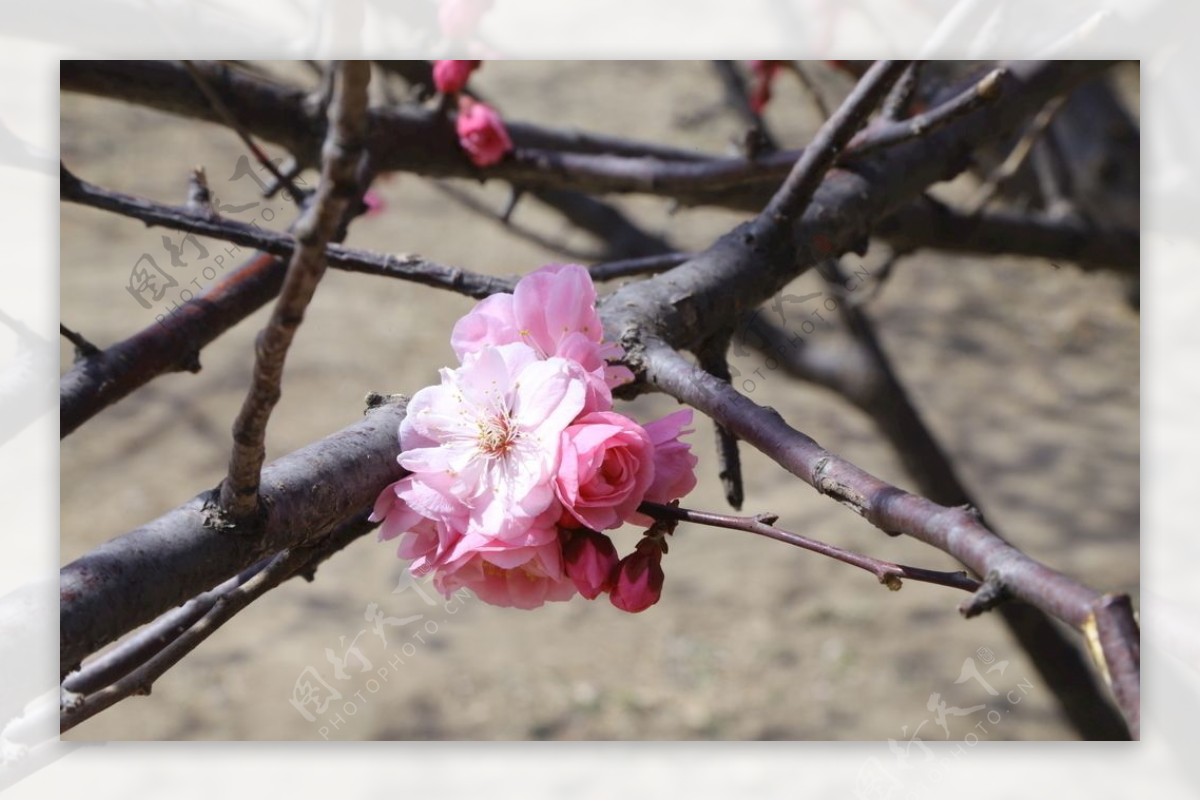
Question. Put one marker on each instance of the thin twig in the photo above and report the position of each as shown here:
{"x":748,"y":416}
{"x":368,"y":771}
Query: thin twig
{"x":132,"y":579}
{"x":956,"y":531}
{"x":318,"y":225}
{"x":862,"y":373}
{"x":83,"y":348}
{"x":889,"y":574}
{"x":1016,"y":157}
{"x":418,"y":141}
{"x":124,"y":657}
{"x":737,"y":97}
{"x":107,"y":591}
{"x":895,"y":106}
{"x":405,"y":266}
{"x":227,"y":115}
{"x":77,"y":706}
{"x":469,"y":202}
{"x":174,"y":341}
{"x":642,"y":265}
{"x":928,"y":223}
{"x":792,"y":198}
{"x":887,"y":134}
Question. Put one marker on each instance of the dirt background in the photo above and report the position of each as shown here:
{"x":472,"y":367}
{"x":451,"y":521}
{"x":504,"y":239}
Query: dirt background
{"x":1029,"y":376}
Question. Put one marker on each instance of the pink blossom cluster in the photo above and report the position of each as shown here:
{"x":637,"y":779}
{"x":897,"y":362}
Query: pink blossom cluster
{"x":518,"y":462}
{"x":481,"y":131}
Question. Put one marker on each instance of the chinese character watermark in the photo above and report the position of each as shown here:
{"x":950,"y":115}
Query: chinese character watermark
{"x":915,"y":768}
{"x":355,"y":671}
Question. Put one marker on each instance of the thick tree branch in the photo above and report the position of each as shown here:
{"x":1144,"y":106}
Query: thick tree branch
{"x":79,"y":704}
{"x":956,"y":531}
{"x":409,"y":139}
{"x":419,"y":141}
{"x":100,"y":379}
{"x":889,"y":574}
{"x":175,"y":340}
{"x":862,"y":372}
{"x":230,"y":119}
{"x":742,"y":269}
{"x":355,"y":260}
{"x":816,"y":159}
{"x":930,"y":224}
{"x":136,"y":577}
{"x":338,"y":188}
{"x":140,"y":647}
{"x":889,"y":133}
{"x":121,"y":585}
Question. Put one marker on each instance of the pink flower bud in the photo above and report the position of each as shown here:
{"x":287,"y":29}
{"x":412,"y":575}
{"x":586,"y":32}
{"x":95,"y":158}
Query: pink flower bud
{"x":590,"y":560}
{"x":451,"y":76}
{"x":639,"y":579}
{"x":481,"y":133}
{"x":764,"y":74}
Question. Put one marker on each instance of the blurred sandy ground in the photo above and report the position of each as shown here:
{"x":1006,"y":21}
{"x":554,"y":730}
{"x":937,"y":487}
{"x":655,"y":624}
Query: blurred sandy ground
{"x":1028,"y":374}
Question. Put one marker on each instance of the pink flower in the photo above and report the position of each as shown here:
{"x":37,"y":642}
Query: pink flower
{"x":606,"y":465}
{"x":516,"y":460}
{"x":484,"y":444}
{"x":422,"y":540}
{"x":639,"y":578}
{"x":553,"y":310}
{"x":481,"y":133}
{"x":525,"y":577}
{"x":591,"y":561}
{"x":458,"y":19}
{"x":451,"y":76}
{"x":674,"y":462}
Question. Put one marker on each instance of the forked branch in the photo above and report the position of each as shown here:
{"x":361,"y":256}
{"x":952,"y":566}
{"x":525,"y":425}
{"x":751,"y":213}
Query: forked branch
{"x":338,"y":188}
{"x":956,"y":531}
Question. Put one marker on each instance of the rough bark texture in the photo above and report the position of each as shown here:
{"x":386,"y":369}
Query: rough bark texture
{"x":132,"y":579}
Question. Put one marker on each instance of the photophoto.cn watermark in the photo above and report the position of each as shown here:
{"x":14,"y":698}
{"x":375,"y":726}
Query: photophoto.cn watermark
{"x":330,"y":693}
{"x":915,"y":769}
{"x":158,"y":281}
